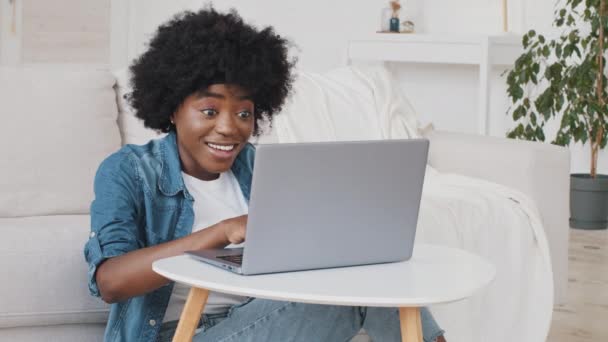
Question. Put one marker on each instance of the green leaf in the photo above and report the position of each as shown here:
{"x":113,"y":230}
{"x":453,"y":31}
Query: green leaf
{"x":519,"y":112}
{"x":595,"y":108}
{"x":580,"y":134}
{"x":559,"y":103}
{"x":570,"y":20}
{"x":561,"y":139}
{"x":519,"y":93}
{"x":544,"y":103}
{"x":540,"y":134}
{"x":525,"y":41}
{"x":530,"y":133}
{"x":515,"y":91}
{"x":534,"y":79}
{"x":549,"y":73}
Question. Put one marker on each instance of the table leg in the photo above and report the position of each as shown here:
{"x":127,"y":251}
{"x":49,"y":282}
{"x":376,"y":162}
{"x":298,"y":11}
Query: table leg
{"x":411,"y":324}
{"x":191,"y":315}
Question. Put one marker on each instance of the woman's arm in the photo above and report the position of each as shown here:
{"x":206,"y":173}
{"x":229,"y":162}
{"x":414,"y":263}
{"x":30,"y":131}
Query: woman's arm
{"x":129,"y":275}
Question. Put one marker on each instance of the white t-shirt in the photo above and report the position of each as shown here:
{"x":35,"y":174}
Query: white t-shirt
{"x":214,"y":201}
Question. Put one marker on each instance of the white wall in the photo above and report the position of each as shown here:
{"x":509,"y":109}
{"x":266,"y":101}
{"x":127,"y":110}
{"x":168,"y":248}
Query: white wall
{"x":56,"y":32}
{"x":322,"y":28}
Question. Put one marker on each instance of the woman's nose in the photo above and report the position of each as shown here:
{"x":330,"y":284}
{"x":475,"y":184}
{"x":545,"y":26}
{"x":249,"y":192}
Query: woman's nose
{"x":225,"y":124}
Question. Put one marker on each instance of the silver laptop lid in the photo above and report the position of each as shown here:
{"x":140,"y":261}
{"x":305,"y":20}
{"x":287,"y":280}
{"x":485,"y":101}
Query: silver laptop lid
{"x":318,"y":205}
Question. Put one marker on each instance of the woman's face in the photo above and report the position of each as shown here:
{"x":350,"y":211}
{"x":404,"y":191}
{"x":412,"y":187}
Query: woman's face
{"x":213,"y":125}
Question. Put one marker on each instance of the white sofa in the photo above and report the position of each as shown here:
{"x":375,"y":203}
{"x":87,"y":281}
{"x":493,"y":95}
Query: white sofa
{"x":61,"y":122}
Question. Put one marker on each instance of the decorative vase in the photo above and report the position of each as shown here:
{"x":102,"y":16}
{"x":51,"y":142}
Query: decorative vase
{"x":588,"y":201}
{"x":394,"y":24}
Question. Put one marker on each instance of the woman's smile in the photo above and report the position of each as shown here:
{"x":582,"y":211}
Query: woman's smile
{"x":222,"y":151}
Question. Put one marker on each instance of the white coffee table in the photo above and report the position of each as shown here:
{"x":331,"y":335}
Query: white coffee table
{"x":433,"y":275}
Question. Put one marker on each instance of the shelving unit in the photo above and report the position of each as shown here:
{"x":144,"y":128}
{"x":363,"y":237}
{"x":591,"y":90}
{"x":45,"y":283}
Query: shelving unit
{"x":484,"y":51}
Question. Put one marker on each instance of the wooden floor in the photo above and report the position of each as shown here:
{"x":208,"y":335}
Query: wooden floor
{"x":584,"y":317}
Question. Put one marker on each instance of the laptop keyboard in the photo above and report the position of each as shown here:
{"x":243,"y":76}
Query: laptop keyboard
{"x":237,"y":259}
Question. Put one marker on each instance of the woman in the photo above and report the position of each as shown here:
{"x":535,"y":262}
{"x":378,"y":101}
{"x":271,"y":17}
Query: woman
{"x":207,"y":79}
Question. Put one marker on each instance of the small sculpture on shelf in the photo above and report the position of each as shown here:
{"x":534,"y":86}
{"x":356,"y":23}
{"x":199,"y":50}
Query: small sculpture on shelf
{"x":390,"y":21}
{"x":408,"y":26}
{"x":394,"y":22}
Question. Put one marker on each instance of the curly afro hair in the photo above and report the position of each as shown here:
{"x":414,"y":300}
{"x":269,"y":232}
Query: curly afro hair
{"x":197,"y":49}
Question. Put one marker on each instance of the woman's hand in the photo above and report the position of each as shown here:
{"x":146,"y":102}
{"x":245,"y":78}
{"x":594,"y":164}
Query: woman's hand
{"x":234,"y":229}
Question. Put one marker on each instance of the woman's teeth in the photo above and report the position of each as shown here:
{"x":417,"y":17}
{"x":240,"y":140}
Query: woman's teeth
{"x":221,"y":148}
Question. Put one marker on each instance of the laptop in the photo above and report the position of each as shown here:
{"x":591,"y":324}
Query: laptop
{"x":329,"y":204}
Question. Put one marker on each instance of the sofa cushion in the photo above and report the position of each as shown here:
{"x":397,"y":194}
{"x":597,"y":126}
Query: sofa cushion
{"x":61,"y":125}
{"x":63,"y":333}
{"x":132,"y":129}
{"x":44,"y":276}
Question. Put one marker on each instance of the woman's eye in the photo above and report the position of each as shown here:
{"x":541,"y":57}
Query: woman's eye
{"x":209,"y":112}
{"x":244,"y":114}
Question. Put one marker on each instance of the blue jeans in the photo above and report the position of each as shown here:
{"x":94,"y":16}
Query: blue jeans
{"x":268,"y":320}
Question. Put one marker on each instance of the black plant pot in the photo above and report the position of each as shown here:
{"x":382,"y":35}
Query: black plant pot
{"x":588,"y":201}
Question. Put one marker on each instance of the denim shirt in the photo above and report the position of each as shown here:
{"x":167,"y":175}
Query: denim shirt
{"x":141,"y":201}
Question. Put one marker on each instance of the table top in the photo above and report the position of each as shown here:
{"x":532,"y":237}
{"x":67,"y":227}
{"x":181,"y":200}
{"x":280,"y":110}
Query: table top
{"x":433,"y":275}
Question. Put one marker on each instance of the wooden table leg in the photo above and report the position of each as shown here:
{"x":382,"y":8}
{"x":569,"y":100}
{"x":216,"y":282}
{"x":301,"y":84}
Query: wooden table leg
{"x":411,"y":324}
{"x":191,"y":315}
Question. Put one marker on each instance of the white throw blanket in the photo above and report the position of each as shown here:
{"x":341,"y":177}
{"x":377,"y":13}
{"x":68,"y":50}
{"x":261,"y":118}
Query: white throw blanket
{"x":503,"y":226}
{"x":495,"y":222}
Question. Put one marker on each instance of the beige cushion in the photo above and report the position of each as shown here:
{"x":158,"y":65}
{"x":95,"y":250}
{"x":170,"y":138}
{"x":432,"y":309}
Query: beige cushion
{"x":60,"y":124}
{"x":132,"y":129}
{"x":44,"y":276}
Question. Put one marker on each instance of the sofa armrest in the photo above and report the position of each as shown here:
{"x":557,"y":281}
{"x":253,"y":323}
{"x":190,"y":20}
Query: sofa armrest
{"x":541,"y":171}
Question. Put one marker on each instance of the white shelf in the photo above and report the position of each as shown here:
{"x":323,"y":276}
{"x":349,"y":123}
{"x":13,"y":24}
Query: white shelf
{"x":483,"y":51}
{"x":434,"y":48}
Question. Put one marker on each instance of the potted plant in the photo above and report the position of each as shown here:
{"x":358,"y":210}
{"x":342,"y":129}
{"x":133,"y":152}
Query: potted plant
{"x":565,"y":79}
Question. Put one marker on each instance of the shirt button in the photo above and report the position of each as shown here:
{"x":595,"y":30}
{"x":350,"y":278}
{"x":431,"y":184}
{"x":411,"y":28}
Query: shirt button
{"x":152,"y":322}
{"x":92,"y":234}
